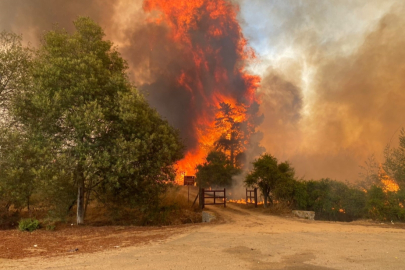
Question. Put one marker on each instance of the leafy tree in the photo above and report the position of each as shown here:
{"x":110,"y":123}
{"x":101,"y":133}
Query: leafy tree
{"x":218,"y":170}
{"x":395,"y":160}
{"x":18,"y":158}
{"x":14,"y":65}
{"x":98,"y":129}
{"x":141,"y":160}
{"x":369,"y":174}
{"x":267,"y":174}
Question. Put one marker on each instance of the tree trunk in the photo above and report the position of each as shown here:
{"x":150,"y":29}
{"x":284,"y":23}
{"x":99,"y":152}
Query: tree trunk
{"x":80,"y":201}
{"x":87,"y":201}
{"x":265,"y":199}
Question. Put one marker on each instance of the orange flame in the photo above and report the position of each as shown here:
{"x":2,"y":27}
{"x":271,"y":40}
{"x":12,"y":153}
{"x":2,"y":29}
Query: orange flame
{"x":243,"y":201}
{"x":388,"y":184}
{"x":208,"y":31}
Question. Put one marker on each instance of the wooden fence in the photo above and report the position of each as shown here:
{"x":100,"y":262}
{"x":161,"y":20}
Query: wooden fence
{"x":251,"y":199}
{"x":215,"y":196}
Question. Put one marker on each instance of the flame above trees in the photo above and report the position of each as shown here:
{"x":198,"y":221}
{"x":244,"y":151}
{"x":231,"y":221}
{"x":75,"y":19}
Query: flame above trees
{"x":221,"y":91}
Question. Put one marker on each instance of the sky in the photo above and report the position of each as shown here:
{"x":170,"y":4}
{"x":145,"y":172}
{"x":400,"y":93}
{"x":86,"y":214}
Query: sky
{"x":332,"y":71}
{"x":332,"y":81}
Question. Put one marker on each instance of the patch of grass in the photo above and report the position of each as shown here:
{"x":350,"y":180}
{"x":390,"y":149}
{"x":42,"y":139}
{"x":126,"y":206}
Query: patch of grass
{"x":28,"y":224}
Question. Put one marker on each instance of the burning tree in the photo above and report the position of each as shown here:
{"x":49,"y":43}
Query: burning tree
{"x":229,"y":122}
{"x":204,"y":85}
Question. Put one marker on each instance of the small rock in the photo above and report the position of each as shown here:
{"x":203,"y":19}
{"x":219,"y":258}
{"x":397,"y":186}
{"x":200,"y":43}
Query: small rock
{"x":73,"y":250}
{"x":35,"y":245}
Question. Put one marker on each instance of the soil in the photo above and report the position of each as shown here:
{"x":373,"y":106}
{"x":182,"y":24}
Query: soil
{"x":68,"y":239}
{"x":242,"y":237}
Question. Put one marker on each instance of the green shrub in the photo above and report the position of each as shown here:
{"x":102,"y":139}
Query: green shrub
{"x":333,"y":200}
{"x":28,"y":224}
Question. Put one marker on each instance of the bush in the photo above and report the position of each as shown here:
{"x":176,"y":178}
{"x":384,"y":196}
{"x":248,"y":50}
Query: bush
{"x":385,"y":205}
{"x":28,"y":224}
{"x":333,"y":200}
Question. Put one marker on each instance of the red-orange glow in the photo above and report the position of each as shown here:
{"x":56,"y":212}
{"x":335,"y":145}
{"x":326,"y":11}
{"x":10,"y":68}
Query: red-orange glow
{"x":202,"y":28}
{"x":243,"y":201}
{"x":388,"y":184}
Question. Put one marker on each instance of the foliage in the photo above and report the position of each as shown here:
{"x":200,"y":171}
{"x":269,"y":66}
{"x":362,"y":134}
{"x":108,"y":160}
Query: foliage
{"x":99,"y":134}
{"x":145,"y":149}
{"x":385,"y":205}
{"x":28,"y":224}
{"x":217,"y":171}
{"x":333,"y":200}
{"x":14,"y":64}
{"x":18,"y":159}
{"x":369,"y":173}
{"x":270,"y":177}
{"x":395,"y":160}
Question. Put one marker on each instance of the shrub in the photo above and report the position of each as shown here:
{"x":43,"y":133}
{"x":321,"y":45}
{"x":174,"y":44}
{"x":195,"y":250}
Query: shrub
{"x":333,"y":200}
{"x":28,"y":224}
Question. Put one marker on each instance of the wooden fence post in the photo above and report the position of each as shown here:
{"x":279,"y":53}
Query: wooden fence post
{"x":201,"y":198}
{"x":255,"y":197}
{"x":224,"y":197}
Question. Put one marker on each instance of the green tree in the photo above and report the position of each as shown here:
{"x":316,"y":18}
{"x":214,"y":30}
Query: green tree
{"x":16,"y":153}
{"x":99,"y":131}
{"x":19,"y":157}
{"x":217,"y":171}
{"x":395,"y":160}
{"x":267,"y":174}
{"x":14,"y":65}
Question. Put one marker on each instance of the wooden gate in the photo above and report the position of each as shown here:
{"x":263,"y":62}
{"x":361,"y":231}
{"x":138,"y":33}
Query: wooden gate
{"x":215,"y":196}
{"x":250,"y":197}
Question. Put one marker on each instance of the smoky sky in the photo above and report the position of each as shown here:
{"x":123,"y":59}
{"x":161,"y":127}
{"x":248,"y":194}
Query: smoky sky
{"x":332,"y":89}
{"x":32,"y":18}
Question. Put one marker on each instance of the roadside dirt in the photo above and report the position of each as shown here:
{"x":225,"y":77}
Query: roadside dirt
{"x":243,"y":238}
{"x":69,"y":239}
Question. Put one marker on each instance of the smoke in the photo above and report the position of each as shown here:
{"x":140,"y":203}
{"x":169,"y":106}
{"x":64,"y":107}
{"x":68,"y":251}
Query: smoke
{"x":32,"y":18}
{"x":332,"y":89}
{"x":333,"y":94}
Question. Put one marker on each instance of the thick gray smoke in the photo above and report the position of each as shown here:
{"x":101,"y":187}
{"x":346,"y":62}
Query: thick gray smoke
{"x":333,"y":94}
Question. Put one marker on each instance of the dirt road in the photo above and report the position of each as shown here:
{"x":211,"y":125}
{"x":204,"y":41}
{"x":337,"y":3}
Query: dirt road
{"x":248,"y":240}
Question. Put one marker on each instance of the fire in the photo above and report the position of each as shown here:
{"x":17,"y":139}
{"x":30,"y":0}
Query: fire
{"x":243,"y":201}
{"x":209,"y":35}
{"x":388,"y":184}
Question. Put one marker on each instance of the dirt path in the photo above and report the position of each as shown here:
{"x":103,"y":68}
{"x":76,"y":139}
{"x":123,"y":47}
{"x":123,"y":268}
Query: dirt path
{"x":248,"y":240}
